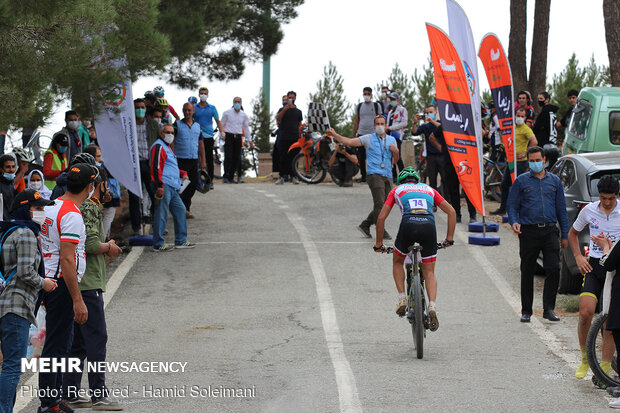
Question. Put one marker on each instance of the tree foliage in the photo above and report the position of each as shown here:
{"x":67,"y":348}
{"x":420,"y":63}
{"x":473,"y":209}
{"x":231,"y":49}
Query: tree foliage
{"x":424,"y":84}
{"x":330,"y":91}
{"x":261,"y":122}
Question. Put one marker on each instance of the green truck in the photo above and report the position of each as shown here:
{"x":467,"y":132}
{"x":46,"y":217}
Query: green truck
{"x":595,"y":123}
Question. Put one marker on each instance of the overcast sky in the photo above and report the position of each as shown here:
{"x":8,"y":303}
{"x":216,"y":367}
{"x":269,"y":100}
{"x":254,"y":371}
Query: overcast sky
{"x":365,"y":38}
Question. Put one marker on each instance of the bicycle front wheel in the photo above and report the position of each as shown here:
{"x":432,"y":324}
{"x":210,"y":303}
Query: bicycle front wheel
{"x":417,"y":327}
{"x":594,"y":346}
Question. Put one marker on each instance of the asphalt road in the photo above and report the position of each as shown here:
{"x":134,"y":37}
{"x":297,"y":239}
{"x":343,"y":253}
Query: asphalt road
{"x":283,"y":299}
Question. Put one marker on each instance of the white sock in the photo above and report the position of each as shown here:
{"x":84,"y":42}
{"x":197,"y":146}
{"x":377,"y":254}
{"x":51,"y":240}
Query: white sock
{"x":432,"y":304}
{"x":402,"y":295}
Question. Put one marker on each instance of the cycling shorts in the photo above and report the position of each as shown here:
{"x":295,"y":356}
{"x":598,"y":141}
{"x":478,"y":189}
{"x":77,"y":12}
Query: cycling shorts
{"x":594,"y":281}
{"x":417,"y":228}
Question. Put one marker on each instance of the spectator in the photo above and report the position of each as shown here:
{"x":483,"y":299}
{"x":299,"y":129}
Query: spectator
{"x":435,"y":160}
{"x":167,"y":178}
{"x":21,"y":261}
{"x":524,"y":138}
{"x":36,"y":182}
{"x":56,"y":159}
{"x":7,"y":184}
{"x":61,"y":182}
{"x":385,"y":100}
{"x":544,"y":127}
{"x":535,"y":205}
{"x":381,"y":154}
{"x":158,"y":91}
{"x":275,"y":154}
{"x":343,"y":164}
{"x":153,"y":126}
{"x":494,"y":134}
{"x":204,"y":115}
{"x":135,"y":202}
{"x":63,"y":251}
{"x":397,"y":122}
{"x":149,"y":100}
{"x":524,"y":100}
{"x":92,"y":133}
{"x":90,"y":338}
{"x":235,"y":123}
{"x":363,"y":124}
{"x":572,"y":99}
{"x":83,"y":132}
{"x":162,"y":105}
{"x":289,"y":120}
{"x":113,"y":198}
{"x":71,"y":131}
{"x":23,"y":157}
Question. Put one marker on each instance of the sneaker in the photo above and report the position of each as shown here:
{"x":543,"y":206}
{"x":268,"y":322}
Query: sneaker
{"x":189,"y":215}
{"x":225,"y":181}
{"x":211,"y":186}
{"x":401,"y":307}
{"x":164,"y":247}
{"x":615,"y":404}
{"x":49,"y":409}
{"x":107,"y":404}
{"x":498,"y":211}
{"x":365,"y":231}
{"x":186,"y":244}
{"x":347,"y":183}
{"x":64,"y":407}
{"x":296,"y":180}
{"x":386,"y":235}
{"x":79,"y":402}
{"x":434,"y":323}
{"x":280,"y":181}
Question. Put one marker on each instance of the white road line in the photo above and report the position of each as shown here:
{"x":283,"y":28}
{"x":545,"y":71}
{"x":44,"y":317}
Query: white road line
{"x":111,"y":288}
{"x":345,"y":380}
{"x":279,"y":242}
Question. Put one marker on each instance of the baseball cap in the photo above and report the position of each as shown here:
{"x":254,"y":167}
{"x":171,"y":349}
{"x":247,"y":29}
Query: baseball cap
{"x":81,"y":174}
{"x":394,"y":95}
{"x":61,"y":139}
{"x":30,"y":197}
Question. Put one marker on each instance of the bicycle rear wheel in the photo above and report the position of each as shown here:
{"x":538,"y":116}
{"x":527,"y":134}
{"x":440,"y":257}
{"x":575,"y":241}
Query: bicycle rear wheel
{"x":594,"y":345}
{"x":417,"y":327}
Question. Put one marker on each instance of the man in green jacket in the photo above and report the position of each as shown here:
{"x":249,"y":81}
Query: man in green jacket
{"x":90,"y":338}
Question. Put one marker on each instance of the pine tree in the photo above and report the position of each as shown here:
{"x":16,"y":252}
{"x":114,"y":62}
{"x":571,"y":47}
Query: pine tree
{"x":330,"y":91}
{"x":400,"y":83}
{"x":261,"y":122}
{"x":424,"y":84}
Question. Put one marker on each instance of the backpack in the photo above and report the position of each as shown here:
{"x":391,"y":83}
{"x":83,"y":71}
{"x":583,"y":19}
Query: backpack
{"x":377,"y":105}
{"x":4,"y":280}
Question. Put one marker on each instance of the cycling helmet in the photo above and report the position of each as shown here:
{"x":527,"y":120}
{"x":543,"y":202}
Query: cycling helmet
{"x":161,"y":102}
{"x":83,"y":157}
{"x":192,"y":99}
{"x":23,"y":155}
{"x":158,"y":91}
{"x":408,"y":173}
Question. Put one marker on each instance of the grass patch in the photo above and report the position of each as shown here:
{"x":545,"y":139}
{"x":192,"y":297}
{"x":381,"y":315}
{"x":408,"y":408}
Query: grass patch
{"x":568,"y":303}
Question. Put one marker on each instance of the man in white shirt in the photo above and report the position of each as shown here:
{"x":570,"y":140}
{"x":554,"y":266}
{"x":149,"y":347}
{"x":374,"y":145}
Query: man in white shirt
{"x":235,"y":123}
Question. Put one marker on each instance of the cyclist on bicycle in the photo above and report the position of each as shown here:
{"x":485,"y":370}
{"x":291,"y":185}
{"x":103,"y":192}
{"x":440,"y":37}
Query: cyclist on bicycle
{"x":416,"y":202}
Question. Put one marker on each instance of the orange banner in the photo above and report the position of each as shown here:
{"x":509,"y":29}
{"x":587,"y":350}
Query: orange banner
{"x":455,"y":111}
{"x":496,"y":66}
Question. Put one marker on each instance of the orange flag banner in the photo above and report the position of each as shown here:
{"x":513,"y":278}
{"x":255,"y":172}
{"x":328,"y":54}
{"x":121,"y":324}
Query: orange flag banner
{"x":457,"y":117}
{"x":496,"y":66}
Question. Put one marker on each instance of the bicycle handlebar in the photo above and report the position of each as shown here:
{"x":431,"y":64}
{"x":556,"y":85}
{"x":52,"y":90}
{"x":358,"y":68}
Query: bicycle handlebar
{"x":389,"y":250}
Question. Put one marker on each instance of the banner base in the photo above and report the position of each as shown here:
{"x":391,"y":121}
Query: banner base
{"x":479,"y":227}
{"x":484,"y":239}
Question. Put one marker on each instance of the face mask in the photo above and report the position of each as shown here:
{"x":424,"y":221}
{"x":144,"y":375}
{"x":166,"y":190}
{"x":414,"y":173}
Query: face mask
{"x":367,"y":98}
{"x":541,"y":103}
{"x":380,"y":130}
{"x":36,"y":185}
{"x":284,"y":103}
{"x":73,"y":124}
{"x":519,"y":121}
{"x":383,"y":95}
{"x":62,"y":149}
{"x":38,"y":217}
{"x":157,"y":120}
{"x":87,"y":124}
{"x":393,"y":103}
{"x":91,"y":192}
{"x":536,"y":167}
{"x":237,"y":106}
{"x":168,"y":138}
{"x":203,"y":98}
{"x":431,"y":115}
{"x":140,"y":113}
{"x":98,"y":163}
{"x":9,"y":176}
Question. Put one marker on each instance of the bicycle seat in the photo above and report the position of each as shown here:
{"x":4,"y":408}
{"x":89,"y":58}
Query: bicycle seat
{"x":415,"y":247}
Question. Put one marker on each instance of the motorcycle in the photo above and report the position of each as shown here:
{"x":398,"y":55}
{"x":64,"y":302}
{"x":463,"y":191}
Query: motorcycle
{"x":310,"y":165}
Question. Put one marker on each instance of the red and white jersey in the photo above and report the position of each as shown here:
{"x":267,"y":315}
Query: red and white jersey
{"x":63,"y":223}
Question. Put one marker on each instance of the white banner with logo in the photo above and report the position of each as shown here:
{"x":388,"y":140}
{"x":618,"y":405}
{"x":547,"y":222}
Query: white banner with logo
{"x":115,"y":123}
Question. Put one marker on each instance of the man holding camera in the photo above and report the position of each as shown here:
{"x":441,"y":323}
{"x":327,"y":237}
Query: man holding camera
{"x":344,"y":165}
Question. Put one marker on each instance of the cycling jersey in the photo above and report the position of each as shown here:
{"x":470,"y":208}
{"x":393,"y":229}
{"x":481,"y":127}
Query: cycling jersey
{"x":592,"y":216}
{"x":63,"y":223}
{"x":414,"y":199}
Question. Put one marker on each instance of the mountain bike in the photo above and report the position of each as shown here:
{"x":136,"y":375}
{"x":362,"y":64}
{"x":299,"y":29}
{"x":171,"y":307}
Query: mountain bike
{"x":594,"y":346}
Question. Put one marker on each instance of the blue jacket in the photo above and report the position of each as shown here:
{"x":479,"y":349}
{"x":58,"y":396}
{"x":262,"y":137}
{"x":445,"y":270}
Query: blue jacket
{"x":186,"y":140}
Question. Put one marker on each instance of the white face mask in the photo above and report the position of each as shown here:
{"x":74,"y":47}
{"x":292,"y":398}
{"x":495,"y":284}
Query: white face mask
{"x":168,"y":138}
{"x":519,"y":121}
{"x":203,"y":98}
{"x":383,"y":95}
{"x":157,"y":120}
{"x":367,"y":98}
{"x":91,"y":192}
{"x":73,"y":124}
{"x":380,"y":130}
{"x":36,"y":185}
{"x":38,"y":217}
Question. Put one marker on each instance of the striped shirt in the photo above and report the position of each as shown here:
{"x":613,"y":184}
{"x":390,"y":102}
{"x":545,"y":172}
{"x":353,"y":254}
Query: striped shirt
{"x":20,"y":251}
{"x":143,"y":145}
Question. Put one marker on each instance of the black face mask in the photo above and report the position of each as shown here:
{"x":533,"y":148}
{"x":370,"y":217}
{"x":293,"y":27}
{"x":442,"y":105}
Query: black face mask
{"x":541,"y":103}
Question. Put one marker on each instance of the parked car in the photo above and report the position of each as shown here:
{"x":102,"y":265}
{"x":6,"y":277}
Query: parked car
{"x":595,"y":122}
{"x":579,"y":175}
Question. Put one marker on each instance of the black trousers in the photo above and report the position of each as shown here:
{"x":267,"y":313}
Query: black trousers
{"x":89,"y":342}
{"x":452,"y":191}
{"x":400,"y":163}
{"x":135,"y":202}
{"x":191,"y":167}
{"x":286,"y":157}
{"x":361,"y":157}
{"x":232,"y":155}
{"x":344,"y":170}
{"x":208,"y":142}
{"x":532,"y":241}
{"x":275,"y":157}
{"x":435,"y":164}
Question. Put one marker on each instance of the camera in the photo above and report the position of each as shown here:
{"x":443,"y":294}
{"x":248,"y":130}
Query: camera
{"x":341,"y":146}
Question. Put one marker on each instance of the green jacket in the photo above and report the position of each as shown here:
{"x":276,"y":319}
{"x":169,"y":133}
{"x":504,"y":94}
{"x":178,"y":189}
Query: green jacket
{"x":94,"y":277}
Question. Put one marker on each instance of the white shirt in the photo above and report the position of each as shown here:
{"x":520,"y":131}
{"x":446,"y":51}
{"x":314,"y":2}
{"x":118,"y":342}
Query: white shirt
{"x":236,"y":122}
{"x":63,"y":223}
{"x":592,"y":216}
